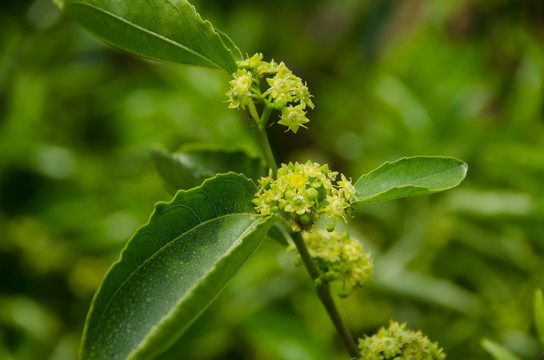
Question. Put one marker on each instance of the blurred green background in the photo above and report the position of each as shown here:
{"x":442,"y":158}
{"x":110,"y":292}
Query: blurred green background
{"x":390,"y":79}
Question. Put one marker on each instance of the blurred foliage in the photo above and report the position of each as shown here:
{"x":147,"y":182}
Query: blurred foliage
{"x":390,"y":79}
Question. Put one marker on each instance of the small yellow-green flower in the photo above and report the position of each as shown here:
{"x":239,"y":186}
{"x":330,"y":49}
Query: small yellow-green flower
{"x":339,"y":257}
{"x":251,"y":62}
{"x":396,"y":342}
{"x":348,"y":190}
{"x":304,"y":189}
{"x":284,"y":92}
{"x":302,"y":94}
{"x":239,"y":93}
{"x":298,"y":202}
{"x":283,"y":84}
{"x":336,"y":208}
{"x":293,"y":117}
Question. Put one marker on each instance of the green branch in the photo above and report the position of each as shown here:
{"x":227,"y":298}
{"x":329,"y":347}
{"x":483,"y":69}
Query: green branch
{"x":324,"y":294}
{"x":323,"y":291}
{"x":259,"y":127}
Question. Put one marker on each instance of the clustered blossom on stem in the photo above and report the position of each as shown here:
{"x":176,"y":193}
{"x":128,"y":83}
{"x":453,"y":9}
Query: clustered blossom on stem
{"x":397,"y":342}
{"x":303,"y":193}
{"x":339,"y":257}
{"x":283,"y":90}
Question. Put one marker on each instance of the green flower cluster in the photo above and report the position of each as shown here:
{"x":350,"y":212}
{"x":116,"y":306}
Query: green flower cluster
{"x":303,"y":193}
{"x":396,"y":342}
{"x":339,"y":258}
{"x":284,"y":91}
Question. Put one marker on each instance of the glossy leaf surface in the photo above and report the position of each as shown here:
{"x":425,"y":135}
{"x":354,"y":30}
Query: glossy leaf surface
{"x":167,"y":30}
{"x":410,"y":177}
{"x":192,"y":165}
{"x":172,"y":269}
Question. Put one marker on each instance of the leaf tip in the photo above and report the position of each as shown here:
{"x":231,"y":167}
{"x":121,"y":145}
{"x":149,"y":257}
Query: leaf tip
{"x":464,"y":168}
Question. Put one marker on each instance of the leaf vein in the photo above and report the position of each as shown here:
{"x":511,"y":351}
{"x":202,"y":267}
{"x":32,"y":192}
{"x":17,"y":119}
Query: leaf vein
{"x":132,"y":273}
{"x":237,"y":183}
{"x":416,"y":181}
{"x":249,"y":228}
{"x":211,"y":201}
{"x":186,"y":207}
{"x":155,"y":13}
{"x":152,"y":235}
{"x":129,"y":257}
{"x":185,"y":28}
{"x":437,"y":173}
{"x":144,"y":30}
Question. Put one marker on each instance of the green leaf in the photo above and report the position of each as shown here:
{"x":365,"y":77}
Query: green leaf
{"x":172,"y":268}
{"x":410,"y":176}
{"x":167,"y":30}
{"x":498,"y":352}
{"x":278,"y":234}
{"x":539,"y":315}
{"x":194,"y":164}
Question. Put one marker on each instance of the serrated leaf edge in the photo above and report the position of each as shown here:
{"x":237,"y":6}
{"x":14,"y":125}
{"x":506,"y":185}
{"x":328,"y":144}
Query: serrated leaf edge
{"x":208,"y":25}
{"x":155,"y":210}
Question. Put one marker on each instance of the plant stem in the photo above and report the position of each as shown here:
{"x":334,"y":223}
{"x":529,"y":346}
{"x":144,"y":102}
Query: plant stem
{"x":266,"y":114}
{"x":323,"y":290}
{"x":260,"y":132}
{"x":254,"y":114}
{"x":265,"y":147}
{"x":324,"y":294}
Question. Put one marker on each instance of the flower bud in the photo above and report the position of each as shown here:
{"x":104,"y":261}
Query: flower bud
{"x":305,"y":220}
{"x":312,"y":193}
